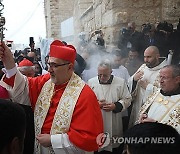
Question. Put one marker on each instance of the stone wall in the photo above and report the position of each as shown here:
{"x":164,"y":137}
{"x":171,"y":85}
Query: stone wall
{"x":108,"y":15}
{"x":57,"y":11}
{"x":112,"y":15}
{"x":171,"y":10}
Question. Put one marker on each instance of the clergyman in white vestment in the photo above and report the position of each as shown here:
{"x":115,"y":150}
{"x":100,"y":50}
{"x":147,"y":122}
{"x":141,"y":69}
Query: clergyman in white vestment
{"x":114,"y":97}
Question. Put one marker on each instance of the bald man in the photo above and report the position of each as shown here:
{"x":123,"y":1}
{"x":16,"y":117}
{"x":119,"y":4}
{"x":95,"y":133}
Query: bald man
{"x":32,"y":56}
{"x":145,"y":79}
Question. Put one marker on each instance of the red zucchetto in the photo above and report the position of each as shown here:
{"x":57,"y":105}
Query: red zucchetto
{"x":61,"y":51}
{"x":25,"y":62}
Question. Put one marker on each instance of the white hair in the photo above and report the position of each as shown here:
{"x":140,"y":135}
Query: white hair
{"x":105,"y":63}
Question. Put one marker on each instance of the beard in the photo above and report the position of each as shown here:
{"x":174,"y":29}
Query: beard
{"x":149,"y":65}
{"x":53,"y":79}
{"x":152,"y":63}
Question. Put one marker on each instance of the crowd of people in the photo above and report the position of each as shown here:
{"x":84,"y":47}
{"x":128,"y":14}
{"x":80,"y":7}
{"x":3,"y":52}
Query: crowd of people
{"x":162,"y":35}
{"x":78,"y":96}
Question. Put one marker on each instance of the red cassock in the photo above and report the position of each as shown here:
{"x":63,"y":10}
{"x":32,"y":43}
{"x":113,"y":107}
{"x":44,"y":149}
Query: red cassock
{"x":3,"y":93}
{"x":86,"y":123}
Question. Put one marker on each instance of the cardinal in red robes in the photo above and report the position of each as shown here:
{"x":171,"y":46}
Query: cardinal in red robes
{"x":66,"y":111}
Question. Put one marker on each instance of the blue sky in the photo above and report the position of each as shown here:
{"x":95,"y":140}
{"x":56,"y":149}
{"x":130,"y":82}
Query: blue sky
{"x":24,"y":19}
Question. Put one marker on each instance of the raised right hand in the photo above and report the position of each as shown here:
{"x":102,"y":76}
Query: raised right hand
{"x":138,"y":75}
{"x":6,"y":56}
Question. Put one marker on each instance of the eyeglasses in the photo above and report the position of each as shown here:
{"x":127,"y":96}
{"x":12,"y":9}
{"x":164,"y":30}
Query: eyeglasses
{"x":54,"y":65}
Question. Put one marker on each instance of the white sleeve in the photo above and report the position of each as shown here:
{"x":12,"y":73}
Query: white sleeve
{"x":125,"y":96}
{"x":61,"y":143}
{"x":20,"y":91}
{"x":11,"y":72}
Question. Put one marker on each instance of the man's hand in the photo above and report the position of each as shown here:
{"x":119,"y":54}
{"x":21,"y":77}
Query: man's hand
{"x":144,"y":118}
{"x":109,"y":107}
{"x":149,"y":120}
{"x":106,"y":105}
{"x":44,"y":139}
{"x":102,"y":103}
{"x":6,"y":56}
{"x":138,"y":75}
{"x":143,"y":83}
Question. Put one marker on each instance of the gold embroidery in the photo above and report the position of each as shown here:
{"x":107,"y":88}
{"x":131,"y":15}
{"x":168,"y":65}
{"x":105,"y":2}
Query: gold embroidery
{"x":160,"y":99}
{"x":163,"y":100}
{"x":166,"y":102}
{"x":174,"y":117}
{"x":148,"y":102}
{"x":64,"y":111}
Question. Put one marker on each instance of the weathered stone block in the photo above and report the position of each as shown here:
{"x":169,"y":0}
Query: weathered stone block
{"x":98,"y":16}
{"x":121,"y":16}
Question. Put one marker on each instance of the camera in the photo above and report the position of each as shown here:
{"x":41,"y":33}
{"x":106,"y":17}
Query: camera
{"x":100,"y":41}
{"x":126,"y":33}
{"x":146,"y":28}
{"x":165,"y":26}
{"x":9,"y":45}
